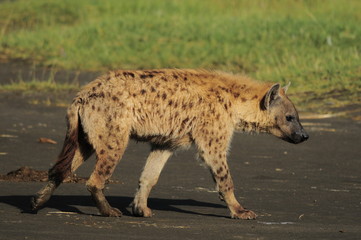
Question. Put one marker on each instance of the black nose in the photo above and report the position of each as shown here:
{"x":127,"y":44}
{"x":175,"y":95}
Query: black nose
{"x":304,"y":136}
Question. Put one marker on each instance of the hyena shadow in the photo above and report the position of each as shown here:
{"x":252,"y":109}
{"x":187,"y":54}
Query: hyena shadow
{"x":75,"y":203}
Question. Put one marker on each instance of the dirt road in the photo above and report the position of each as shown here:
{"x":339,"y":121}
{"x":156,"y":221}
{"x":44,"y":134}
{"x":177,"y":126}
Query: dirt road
{"x":306,"y":191}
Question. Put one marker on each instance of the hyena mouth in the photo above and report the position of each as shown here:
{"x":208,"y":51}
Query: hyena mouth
{"x":296,"y":138}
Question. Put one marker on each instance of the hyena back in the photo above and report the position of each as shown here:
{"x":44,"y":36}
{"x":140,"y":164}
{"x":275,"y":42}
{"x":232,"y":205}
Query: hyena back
{"x":170,"y":109}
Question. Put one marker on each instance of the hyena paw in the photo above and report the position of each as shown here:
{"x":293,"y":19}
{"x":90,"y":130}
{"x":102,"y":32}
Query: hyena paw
{"x":112,"y":212}
{"x":42,"y":196}
{"x":142,"y":211}
{"x":36,"y":202}
{"x":244,"y":214}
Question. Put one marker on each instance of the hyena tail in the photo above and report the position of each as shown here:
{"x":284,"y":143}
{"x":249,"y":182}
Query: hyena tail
{"x":63,"y":166}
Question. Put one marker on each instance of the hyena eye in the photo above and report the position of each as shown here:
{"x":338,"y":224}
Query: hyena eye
{"x":289,"y":118}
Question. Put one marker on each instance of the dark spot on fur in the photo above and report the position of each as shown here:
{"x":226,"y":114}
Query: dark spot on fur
{"x":175,"y":76}
{"x":170,"y":102}
{"x":164,"y":96}
{"x":255,"y":97}
{"x":243,"y":99}
{"x":100,"y":137}
{"x":154,"y":72}
{"x":115,"y":99}
{"x":225,"y":89}
{"x":126,"y":74}
{"x":236,"y":95}
{"x":94,"y":88}
{"x":152,"y":89}
{"x":223,"y":178}
{"x":184,"y":122}
{"x":110,"y":147}
{"x":99,"y":84}
{"x":143,"y":76}
{"x":93,"y":95}
{"x":93,"y":107}
{"x":102,"y":151}
{"x":100,"y":173}
{"x":225,"y":106}
{"x":143,"y":91}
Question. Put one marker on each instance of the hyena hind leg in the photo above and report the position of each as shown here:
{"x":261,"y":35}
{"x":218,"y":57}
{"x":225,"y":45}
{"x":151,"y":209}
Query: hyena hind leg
{"x":108,"y":155}
{"x":58,"y":174}
{"x":149,"y":177}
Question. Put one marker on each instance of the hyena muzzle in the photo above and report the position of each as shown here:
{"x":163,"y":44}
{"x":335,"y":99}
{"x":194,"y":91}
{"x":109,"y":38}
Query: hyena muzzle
{"x":170,"y":109}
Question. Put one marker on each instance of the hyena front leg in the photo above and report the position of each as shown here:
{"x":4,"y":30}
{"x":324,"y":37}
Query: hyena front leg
{"x":222,"y":177}
{"x":213,"y":151}
{"x":149,"y":177}
{"x":108,"y":155}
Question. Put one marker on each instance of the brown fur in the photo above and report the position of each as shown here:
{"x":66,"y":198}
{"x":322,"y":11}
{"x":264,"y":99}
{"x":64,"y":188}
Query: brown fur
{"x":62,"y":167}
{"x":171,"y":109}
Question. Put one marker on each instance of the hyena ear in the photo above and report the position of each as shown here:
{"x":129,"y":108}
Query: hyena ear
{"x":271,"y":95}
{"x":285,"y":88}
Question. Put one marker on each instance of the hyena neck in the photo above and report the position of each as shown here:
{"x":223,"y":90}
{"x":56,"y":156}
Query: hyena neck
{"x":249,"y":116}
{"x":251,"y":127}
{"x":255,"y":121}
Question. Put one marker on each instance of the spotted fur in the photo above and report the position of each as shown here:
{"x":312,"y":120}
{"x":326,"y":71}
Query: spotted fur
{"x":170,"y":109}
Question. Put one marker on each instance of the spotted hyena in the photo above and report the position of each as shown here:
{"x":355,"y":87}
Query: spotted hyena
{"x":170,"y":109}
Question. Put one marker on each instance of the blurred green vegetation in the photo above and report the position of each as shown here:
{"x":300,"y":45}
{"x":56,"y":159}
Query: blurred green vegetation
{"x":314,"y":44}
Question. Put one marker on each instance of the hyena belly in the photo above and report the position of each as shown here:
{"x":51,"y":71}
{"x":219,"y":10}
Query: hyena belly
{"x":170,"y":109}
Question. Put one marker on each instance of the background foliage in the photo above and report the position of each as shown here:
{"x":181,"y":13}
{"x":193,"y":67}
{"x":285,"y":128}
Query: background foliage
{"x":314,"y":44}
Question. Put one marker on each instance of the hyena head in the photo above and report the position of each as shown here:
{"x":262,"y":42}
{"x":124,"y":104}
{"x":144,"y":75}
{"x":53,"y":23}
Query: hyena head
{"x":283,"y":115}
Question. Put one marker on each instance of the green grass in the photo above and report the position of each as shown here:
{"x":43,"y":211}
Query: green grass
{"x":314,"y":44}
{"x":38,"y":86}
